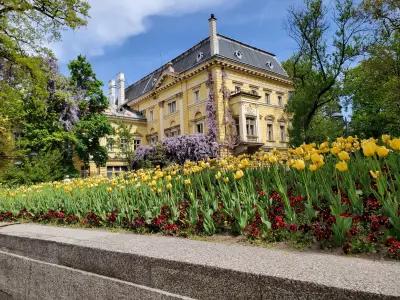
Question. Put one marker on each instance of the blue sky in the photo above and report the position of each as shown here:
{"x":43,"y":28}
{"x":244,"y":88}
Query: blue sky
{"x":138,"y":36}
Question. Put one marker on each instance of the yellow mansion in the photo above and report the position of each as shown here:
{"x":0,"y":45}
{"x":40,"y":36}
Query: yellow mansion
{"x":248,"y":85}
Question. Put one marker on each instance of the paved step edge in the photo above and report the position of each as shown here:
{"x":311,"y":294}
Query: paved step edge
{"x":180,"y":278}
{"x":27,"y":278}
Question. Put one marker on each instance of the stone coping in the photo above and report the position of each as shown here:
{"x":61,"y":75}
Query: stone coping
{"x":353,"y":276}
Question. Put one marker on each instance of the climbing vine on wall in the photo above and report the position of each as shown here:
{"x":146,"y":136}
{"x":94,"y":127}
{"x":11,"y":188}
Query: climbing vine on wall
{"x":231,"y":137}
{"x":211,"y":111}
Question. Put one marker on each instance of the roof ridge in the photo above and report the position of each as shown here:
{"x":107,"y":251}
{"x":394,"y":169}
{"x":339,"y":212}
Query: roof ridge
{"x":161,"y":68}
{"x":246,"y":45}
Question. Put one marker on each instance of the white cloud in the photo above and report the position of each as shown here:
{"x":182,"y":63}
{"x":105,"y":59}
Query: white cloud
{"x":113,"y":21}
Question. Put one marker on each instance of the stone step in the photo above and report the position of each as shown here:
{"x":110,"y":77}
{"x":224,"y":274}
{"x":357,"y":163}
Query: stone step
{"x":205,"y":270}
{"x":26,"y":278}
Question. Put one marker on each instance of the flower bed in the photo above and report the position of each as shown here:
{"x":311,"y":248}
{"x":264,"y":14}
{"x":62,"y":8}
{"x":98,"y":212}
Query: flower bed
{"x":344,"y":194}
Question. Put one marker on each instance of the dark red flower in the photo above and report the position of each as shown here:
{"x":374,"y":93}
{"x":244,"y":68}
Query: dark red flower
{"x":170,"y":228}
{"x":293,"y":227}
{"x":372,"y":238}
{"x":112,"y":217}
{"x":279,"y":222}
{"x":346,"y":215}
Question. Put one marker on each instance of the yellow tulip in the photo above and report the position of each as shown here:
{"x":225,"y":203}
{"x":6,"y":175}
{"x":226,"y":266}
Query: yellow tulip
{"x":369,"y":148}
{"x":375,"y":174}
{"x":382,"y":151}
{"x":187,"y":182}
{"x":335,"y":150}
{"x":272,"y":159}
{"x":324,"y":146}
{"x":395,"y":144}
{"x":226,"y":179}
{"x":169,"y":186}
{"x":299,"y":164}
{"x":317,"y":158}
{"x":342,"y":166}
{"x":218,"y":175}
{"x":313,"y":167}
{"x":239,"y":174}
{"x":343,"y":155}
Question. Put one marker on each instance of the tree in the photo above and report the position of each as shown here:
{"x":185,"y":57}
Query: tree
{"x":25,"y":26}
{"x":386,"y":14}
{"x":125,"y":137}
{"x":373,"y":87}
{"x":6,"y":143}
{"x":92,"y":124}
{"x":325,"y":51}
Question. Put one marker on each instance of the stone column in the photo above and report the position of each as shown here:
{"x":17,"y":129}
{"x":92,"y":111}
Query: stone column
{"x":242,"y":124}
{"x":258,"y":129}
{"x":181,"y":116}
{"x":161,"y":109}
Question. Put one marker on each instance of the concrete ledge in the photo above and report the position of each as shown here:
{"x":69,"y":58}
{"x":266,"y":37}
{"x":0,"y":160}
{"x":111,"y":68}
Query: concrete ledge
{"x":25,"y":278}
{"x":202,"y":269}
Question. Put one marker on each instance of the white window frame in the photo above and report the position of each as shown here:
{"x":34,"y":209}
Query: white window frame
{"x":280,"y":100}
{"x":172,"y":107}
{"x":197,"y":125}
{"x":115,"y":170}
{"x":251,"y":126}
{"x":136,"y":143}
{"x":270,"y":133}
{"x":196,"y":96}
{"x":268,"y":98}
{"x":283,"y":132}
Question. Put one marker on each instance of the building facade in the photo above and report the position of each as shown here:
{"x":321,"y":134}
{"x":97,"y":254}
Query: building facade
{"x":245,"y":86}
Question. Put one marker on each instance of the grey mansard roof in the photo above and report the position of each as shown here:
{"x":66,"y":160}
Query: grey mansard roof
{"x":250,"y":56}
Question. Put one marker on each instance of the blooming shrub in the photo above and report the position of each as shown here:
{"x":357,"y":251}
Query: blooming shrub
{"x":190,"y":147}
{"x":150,"y":156}
{"x":310,"y":194}
{"x":177,"y":150}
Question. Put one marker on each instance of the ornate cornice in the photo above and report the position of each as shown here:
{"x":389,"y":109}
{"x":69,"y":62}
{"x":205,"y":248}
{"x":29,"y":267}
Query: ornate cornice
{"x":216,"y":60}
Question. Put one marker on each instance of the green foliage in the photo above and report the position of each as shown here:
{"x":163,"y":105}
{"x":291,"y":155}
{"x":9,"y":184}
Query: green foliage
{"x":46,"y":166}
{"x":88,"y":87}
{"x":373,"y":88}
{"x":29,"y":81}
{"x":88,"y":131}
{"x":6,"y":143}
{"x":92,"y":125}
{"x":125,"y":137}
{"x":317,"y":66}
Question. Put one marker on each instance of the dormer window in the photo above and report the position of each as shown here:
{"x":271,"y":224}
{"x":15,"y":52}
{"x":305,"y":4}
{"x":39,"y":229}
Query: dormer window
{"x":270,"y":65}
{"x":238,"y":54}
{"x":154,"y":81}
{"x":200,"y":56}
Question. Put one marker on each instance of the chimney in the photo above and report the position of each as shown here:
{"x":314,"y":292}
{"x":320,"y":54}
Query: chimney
{"x":212,"y":22}
{"x":121,"y":89}
{"x":111,"y":93}
{"x":170,"y":67}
